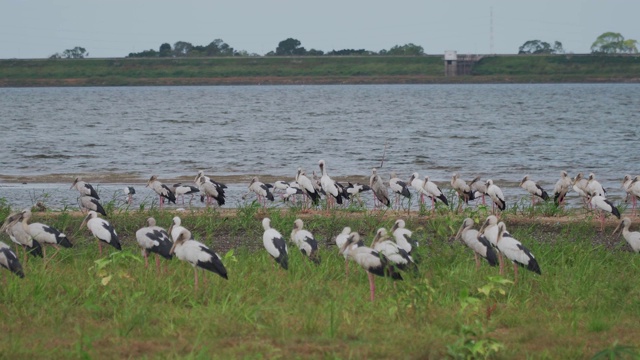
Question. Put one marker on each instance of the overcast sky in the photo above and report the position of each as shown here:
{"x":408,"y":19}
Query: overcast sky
{"x":114,"y":28}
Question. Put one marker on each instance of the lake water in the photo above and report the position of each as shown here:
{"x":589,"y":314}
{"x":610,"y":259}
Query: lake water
{"x":116,"y":136}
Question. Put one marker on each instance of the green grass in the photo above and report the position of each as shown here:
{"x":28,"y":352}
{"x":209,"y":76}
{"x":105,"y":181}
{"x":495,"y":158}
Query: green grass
{"x":83,"y":306}
{"x":309,"y":70}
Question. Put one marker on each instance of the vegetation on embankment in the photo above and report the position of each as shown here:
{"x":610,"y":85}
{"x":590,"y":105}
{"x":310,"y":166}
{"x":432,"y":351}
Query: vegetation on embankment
{"x":314,"y":70}
{"x":79,"y":305}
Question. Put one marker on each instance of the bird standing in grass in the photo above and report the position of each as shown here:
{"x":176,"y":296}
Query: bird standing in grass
{"x":489,"y":231}
{"x":305,"y":241}
{"x":341,"y":240}
{"x":394,"y":254}
{"x":479,"y":244}
{"x":462,"y":188}
{"x":370,"y":260}
{"x":14,"y":228}
{"x":44,"y":234}
{"x":197,"y":254}
{"x":274,"y":244}
{"x":632,"y":237}
{"x":601,"y":204}
{"x":403,"y":236}
{"x":329,"y":186}
{"x":516,"y":252}
{"x":101,"y":230}
{"x":496,"y":195}
{"x":129,"y":191}
{"x":9,"y":260}
{"x":155,"y":239}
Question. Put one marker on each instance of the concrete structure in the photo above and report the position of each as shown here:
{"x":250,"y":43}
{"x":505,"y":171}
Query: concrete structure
{"x":455,"y":64}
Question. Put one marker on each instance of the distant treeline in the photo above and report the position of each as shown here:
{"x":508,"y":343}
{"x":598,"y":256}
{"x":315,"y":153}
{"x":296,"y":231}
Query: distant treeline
{"x":288,"y":47}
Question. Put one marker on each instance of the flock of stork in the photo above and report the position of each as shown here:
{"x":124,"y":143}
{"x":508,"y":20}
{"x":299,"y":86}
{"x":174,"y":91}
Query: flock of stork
{"x":384,"y":257}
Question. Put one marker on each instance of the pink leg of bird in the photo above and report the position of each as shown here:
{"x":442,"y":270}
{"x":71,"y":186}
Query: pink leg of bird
{"x":477,"y":261}
{"x":501,"y":263}
{"x":157,"y":263}
{"x":515,"y":271}
{"x":372,"y":285}
{"x":100,"y":247}
{"x":195,"y":272}
{"x":146,"y":260}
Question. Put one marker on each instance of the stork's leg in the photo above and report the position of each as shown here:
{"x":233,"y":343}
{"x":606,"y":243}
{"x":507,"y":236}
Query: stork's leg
{"x":195,"y":272}
{"x":501,"y":263}
{"x":146,"y":259}
{"x":157,"y":263}
{"x":372,"y":285}
{"x":100,"y":247}
{"x":515,"y":271}
{"x":475,"y":254}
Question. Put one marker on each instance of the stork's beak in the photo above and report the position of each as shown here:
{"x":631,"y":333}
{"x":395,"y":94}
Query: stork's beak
{"x":459,"y":232}
{"x":173,"y":248}
{"x":617,"y":228}
{"x":394,"y":227}
{"x":84,"y":222}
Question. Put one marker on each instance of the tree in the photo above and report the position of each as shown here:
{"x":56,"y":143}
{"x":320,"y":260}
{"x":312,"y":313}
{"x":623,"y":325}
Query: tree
{"x":406,"y":50}
{"x":540,"y":47}
{"x":165,"y":50}
{"x":77,"y":52}
{"x":290,"y":47}
{"x":182,"y":48}
{"x":613,"y":43}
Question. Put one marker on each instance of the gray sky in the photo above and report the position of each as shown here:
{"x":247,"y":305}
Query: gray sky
{"x":114,"y":28}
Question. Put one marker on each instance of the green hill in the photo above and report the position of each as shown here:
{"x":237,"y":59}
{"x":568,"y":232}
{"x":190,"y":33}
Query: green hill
{"x":313,"y":70}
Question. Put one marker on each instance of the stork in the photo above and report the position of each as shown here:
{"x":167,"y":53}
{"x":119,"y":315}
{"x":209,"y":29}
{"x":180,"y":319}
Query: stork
{"x":44,"y":234}
{"x":180,"y":190}
{"x":129,"y":191}
{"x":403,"y":237}
{"x":210,"y":189}
{"x":379,"y":189}
{"x":418,"y":185}
{"x":274,"y":244}
{"x":594,"y":187}
{"x":341,"y":240}
{"x":197,"y":254}
{"x":154,"y":239}
{"x":395,"y":254}
{"x":399,"y":188}
{"x":13,"y":227}
{"x":580,"y":187}
{"x":632,"y":187}
{"x":101,"y":230}
{"x":9,"y":260}
{"x":370,"y":260}
{"x":353,"y":191}
{"x":489,"y":232}
{"x":633,"y":238}
{"x":84,"y":188}
{"x":305,"y":241}
{"x":434,"y":192}
{"x":307,"y":186}
{"x":479,"y":188}
{"x":479,"y":244}
{"x":561,"y":188}
{"x":176,"y":227}
{"x":603,"y":205}
{"x":496,"y":196}
{"x":88,"y":203}
{"x":161,"y":189}
{"x":261,"y":190}
{"x":329,"y":185}
{"x":534,"y":189}
{"x":516,"y":252}
{"x":464,"y":191}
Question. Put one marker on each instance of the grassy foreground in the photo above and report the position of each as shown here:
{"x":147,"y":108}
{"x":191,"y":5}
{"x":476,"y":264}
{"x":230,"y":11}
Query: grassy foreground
{"x":586,"y":302}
